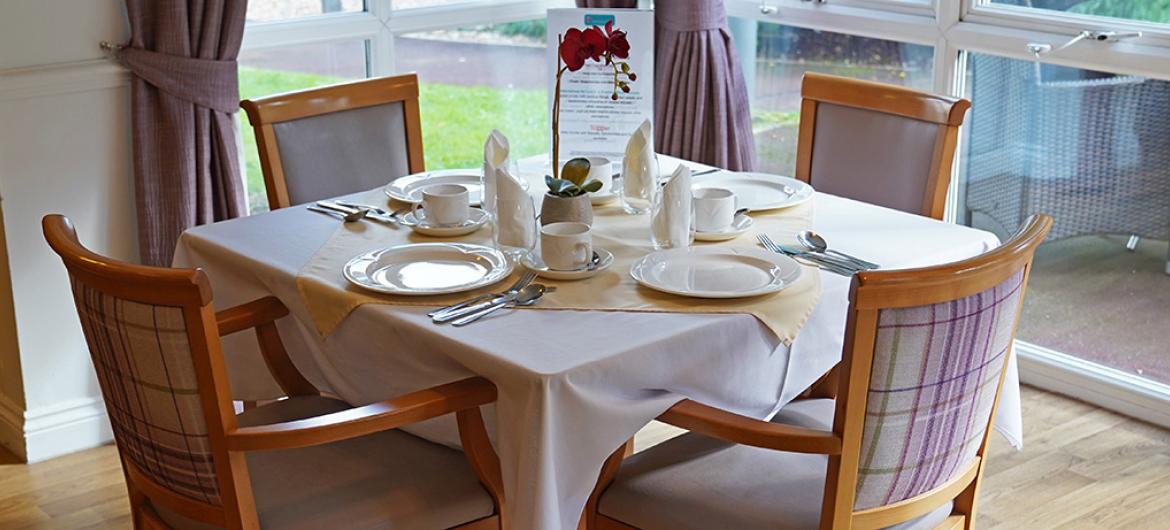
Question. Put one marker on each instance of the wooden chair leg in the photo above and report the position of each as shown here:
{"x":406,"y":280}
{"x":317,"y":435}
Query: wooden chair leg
{"x":609,"y":470}
{"x":823,"y":388}
{"x":967,"y":501}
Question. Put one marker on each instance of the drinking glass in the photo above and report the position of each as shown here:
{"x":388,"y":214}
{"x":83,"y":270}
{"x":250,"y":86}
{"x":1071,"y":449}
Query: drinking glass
{"x":514,"y":226}
{"x":637,"y":194}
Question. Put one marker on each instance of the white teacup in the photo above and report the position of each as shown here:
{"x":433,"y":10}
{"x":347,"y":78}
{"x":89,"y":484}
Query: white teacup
{"x":443,"y":204}
{"x":566,"y":246}
{"x":714,"y":209}
{"x":601,"y":170}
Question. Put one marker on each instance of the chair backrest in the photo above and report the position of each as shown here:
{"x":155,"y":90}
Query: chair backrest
{"x":155,"y":347}
{"x":324,"y":142}
{"x":878,"y":143}
{"x":924,"y":360}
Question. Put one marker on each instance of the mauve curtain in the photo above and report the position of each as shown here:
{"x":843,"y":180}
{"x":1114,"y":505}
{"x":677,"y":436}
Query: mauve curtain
{"x":701,"y":107}
{"x":183,"y":97}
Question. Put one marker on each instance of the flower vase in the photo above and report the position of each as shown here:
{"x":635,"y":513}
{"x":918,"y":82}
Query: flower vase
{"x":556,"y":209}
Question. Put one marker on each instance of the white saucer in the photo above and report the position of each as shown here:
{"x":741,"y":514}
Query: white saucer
{"x":739,"y":226}
{"x":475,"y":222}
{"x":533,"y":262}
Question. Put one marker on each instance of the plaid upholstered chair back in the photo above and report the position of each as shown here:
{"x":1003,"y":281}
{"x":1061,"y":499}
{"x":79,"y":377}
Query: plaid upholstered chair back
{"x":936,"y":370}
{"x":929,"y":352}
{"x":137,"y":322}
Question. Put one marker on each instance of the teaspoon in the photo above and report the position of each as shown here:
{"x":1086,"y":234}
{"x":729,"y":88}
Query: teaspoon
{"x":813,"y":241}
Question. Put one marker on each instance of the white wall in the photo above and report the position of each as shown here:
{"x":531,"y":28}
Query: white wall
{"x":64,"y":148}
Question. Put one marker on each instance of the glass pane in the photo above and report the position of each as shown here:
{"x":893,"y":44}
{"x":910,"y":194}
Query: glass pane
{"x":275,"y":70}
{"x":475,"y":79}
{"x":782,"y":54}
{"x":259,"y":10}
{"x":1091,"y":149}
{"x":413,"y":4}
{"x":1143,"y":10}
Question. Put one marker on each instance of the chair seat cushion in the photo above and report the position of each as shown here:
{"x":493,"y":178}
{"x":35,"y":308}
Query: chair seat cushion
{"x":694,"y":482}
{"x":384,"y":480}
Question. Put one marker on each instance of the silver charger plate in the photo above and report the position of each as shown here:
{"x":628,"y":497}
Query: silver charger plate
{"x":422,"y":269}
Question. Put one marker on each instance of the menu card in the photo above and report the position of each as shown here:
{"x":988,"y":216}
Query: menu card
{"x":593,"y":124}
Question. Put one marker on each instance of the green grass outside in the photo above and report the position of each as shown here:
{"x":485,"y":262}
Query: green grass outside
{"x":455,"y":121}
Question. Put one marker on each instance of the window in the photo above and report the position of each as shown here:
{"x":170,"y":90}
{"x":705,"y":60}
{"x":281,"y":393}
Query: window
{"x":473,"y":79}
{"x":268,"y":71}
{"x":1092,"y":149}
{"x":784,"y":53}
{"x":261,"y":10}
{"x":1139,"y":10}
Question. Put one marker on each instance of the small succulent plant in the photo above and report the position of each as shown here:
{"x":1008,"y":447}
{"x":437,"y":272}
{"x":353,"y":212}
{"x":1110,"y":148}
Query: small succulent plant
{"x":573,"y":182}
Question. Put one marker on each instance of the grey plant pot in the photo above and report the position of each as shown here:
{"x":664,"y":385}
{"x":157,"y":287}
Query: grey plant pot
{"x":566,"y":209}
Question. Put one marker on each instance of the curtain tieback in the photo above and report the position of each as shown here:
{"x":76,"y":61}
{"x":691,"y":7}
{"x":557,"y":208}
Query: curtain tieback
{"x":204,"y":82}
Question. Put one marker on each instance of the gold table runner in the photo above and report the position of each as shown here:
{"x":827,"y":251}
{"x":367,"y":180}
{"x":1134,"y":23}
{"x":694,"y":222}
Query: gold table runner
{"x":329,"y":297}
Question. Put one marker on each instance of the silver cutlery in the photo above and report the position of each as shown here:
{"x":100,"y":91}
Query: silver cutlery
{"x":527,"y":296}
{"x":395,"y":215}
{"x":820,"y":257}
{"x":813,"y":241}
{"x":369,"y":213}
{"x":830,"y":266}
{"x":705,"y":172}
{"x":349,"y":217}
{"x":502,"y":298}
{"x":520,"y":283}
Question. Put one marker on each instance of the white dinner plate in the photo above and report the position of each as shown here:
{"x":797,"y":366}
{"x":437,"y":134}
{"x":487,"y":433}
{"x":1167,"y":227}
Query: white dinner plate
{"x":477,"y":219}
{"x":533,"y":262}
{"x":427,"y":268}
{"x":716,"y":271}
{"x":757,"y":191}
{"x":409,"y":188}
{"x":739,"y":226}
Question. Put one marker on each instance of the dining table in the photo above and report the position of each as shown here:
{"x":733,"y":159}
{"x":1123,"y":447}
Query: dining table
{"x":573,"y":385}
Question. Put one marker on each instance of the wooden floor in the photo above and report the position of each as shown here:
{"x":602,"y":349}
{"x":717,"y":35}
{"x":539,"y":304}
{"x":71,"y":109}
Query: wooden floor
{"x":1082,"y":468}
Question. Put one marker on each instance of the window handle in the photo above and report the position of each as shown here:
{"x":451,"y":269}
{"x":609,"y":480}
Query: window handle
{"x":1037,"y":49}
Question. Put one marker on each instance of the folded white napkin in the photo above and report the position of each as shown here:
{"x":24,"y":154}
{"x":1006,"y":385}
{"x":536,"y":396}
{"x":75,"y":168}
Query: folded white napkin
{"x":639,"y":170}
{"x":515,"y":212}
{"x":671,"y":222}
{"x":495,"y":156}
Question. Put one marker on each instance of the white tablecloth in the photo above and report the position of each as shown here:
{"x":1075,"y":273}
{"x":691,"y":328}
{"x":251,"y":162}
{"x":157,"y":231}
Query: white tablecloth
{"x":573,"y":385}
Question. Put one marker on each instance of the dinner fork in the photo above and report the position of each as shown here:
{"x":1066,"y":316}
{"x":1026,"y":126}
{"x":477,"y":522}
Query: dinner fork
{"x":525,"y":279}
{"x":830,"y":266}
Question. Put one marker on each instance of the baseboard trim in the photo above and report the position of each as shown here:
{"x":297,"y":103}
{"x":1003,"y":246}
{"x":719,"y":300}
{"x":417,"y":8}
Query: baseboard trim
{"x":1105,"y":387}
{"x":12,"y":426}
{"x":65,"y":428}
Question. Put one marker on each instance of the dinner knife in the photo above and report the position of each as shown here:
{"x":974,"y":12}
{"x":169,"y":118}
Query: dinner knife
{"x":454,"y":314}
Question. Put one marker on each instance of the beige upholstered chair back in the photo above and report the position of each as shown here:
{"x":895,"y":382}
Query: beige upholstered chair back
{"x":880,"y":144}
{"x":321,"y":143}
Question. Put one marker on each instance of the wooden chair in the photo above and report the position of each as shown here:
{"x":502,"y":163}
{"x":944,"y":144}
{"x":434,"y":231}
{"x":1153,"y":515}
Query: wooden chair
{"x":302,"y":462}
{"x":878,"y":143}
{"x":324,"y":142}
{"x":902,"y":446}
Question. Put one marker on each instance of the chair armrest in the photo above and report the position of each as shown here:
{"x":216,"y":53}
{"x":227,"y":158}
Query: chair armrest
{"x":719,"y":423}
{"x":262,"y":314}
{"x":360,"y":421}
{"x":250,"y":315}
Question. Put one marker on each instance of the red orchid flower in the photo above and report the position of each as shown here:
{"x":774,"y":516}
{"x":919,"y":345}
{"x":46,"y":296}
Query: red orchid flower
{"x":577,"y":46}
{"x":616,"y":45}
